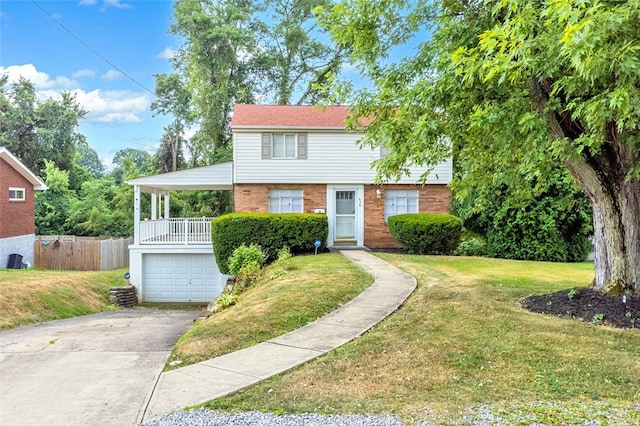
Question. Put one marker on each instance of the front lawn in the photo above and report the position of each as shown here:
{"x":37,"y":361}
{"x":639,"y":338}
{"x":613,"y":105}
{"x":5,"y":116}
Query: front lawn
{"x":290,"y":294}
{"x":462,"y":342}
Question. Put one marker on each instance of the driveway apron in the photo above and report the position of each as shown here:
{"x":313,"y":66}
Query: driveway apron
{"x":96,"y":369}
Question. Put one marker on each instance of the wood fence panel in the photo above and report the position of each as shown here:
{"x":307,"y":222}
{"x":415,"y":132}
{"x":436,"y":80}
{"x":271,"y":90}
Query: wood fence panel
{"x":80,"y":253}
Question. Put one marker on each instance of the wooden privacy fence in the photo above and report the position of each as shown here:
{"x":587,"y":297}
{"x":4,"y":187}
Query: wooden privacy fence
{"x":63,"y":252}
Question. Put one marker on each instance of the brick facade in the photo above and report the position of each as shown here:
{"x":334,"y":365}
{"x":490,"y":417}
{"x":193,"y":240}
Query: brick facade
{"x":16,"y":217}
{"x":431,"y":199}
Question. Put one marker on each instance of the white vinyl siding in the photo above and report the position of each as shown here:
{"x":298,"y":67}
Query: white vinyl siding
{"x":331,"y":158}
{"x":400,"y":202}
{"x":285,"y":201}
{"x":17,"y":194}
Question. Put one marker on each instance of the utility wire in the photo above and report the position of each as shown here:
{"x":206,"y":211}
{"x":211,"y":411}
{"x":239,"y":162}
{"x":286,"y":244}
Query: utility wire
{"x":95,"y":52}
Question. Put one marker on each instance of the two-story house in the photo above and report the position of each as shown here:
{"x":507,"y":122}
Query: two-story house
{"x":286,"y":159}
{"x":17,"y":210}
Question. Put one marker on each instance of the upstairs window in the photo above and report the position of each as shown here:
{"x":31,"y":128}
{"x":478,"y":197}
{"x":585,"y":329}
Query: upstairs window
{"x":284,"y":146}
{"x":400,"y":202}
{"x":17,"y":194}
{"x":285,"y":201}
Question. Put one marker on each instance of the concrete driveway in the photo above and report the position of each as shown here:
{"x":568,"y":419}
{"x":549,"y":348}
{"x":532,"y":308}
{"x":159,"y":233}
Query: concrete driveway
{"x":94,"y":370}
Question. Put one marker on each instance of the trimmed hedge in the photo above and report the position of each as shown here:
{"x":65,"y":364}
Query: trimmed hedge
{"x":427,"y":233}
{"x":269,"y":231}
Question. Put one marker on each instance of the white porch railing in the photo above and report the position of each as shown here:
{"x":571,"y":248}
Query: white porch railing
{"x":176,"y":231}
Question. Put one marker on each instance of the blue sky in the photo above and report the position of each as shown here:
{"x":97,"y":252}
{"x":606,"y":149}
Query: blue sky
{"x":132,"y":35}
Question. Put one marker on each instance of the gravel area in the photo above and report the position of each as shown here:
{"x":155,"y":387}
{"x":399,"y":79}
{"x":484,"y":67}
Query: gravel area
{"x":204,"y":417}
{"x":593,"y":414}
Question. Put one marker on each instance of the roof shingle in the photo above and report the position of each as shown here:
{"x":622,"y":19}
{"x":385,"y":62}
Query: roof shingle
{"x":245,"y":115}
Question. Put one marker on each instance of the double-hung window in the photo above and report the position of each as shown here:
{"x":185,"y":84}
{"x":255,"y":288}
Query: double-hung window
{"x":17,"y":194}
{"x":285,"y":201}
{"x":284,"y":146}
{"x":400,"y":202}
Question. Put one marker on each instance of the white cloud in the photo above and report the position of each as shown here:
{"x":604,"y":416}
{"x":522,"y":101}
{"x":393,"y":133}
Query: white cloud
{"x":168,"y":53}
{"x":87,"y":2}
{"x":113,"y":106}
{"x":116,"y":4}
{"x":103,"y":106}
{"x":111,"y":75}
{"x":84,"y":73}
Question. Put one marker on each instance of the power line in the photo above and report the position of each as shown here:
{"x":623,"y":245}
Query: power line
{"x":95,"y":52}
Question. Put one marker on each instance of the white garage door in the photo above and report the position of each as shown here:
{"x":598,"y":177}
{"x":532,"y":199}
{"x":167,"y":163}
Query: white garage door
{"x":181,"y":278}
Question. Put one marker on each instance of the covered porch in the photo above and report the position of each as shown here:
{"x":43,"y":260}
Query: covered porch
{"x":171,"y":258}
{"x":160,"y":228}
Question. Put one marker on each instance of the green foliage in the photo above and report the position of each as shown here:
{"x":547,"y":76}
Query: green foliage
{"x":284,"y":254}
{"x":35,"y":130}
{"x":427,"y":233}
{"x":247,"y":276}
{"x":244,"y":256}
{"x":225,"y":300}
{"x":53,"y":206}
{"x":269,"y":231}
{"x":471,"y":244}
{"x":550,"y":220}
{"x":511,"y":89}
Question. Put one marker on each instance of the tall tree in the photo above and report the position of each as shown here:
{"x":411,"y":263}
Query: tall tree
{"x":515,"y":86}
{"x":296,"y":54}
{"x":36,"y":130}
{"x":218,"y":38}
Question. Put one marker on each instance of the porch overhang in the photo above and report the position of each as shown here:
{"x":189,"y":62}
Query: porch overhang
{"x":215,"y":177}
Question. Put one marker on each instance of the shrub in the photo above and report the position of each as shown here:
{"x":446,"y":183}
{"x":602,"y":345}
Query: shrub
{"x":225,"y":300}
{"x":247,"y":276}
{"x":427,"y":233}
{"x":284,"y":253}
{"x":244,"y":256}
{"x":471,"y":244}
{"x":270,"y":231}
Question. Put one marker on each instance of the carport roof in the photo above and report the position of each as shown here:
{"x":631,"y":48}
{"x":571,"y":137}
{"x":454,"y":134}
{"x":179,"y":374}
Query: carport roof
{"x":215,"y":177}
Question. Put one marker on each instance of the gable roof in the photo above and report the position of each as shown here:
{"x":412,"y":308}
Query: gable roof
{"x":8,"y":157}
{"x":289,"y":116}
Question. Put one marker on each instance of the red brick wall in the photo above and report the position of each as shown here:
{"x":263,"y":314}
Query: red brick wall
{"x":16,"y":217}
{"x":431,"y":199}
{"x":255,"y":197}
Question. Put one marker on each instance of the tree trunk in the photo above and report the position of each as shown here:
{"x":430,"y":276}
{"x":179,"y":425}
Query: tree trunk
{"x":616,"y":223}
{"x":603,"y":174}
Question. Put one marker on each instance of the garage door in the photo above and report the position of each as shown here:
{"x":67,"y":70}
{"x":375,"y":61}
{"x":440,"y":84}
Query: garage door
{"x":180,"y":278}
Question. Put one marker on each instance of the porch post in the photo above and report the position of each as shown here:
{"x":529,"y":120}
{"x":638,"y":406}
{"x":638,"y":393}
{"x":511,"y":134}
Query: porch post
{"x":154,"y":206}
{"x":136,"y":214}
{"x":166,"y":206}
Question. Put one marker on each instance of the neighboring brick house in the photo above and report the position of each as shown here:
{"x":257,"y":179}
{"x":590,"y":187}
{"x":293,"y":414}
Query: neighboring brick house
{"x":17,"y":205}
{"x":301,"y":159}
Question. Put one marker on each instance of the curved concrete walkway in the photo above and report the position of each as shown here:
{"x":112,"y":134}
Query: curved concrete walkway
{"x":229,"y":373}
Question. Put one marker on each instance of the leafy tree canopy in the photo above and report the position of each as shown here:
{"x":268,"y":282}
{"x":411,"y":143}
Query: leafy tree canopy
{"x":34,"y":129}
{"x":514,"y":87}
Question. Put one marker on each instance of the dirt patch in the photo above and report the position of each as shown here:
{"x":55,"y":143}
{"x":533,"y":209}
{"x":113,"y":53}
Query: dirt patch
{"x":588,"y":305}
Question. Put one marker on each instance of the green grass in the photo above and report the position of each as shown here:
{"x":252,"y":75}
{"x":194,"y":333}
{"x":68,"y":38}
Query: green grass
{"x":462,"y":340}
{"x":31,"y":296}
{"x":288,"y":295}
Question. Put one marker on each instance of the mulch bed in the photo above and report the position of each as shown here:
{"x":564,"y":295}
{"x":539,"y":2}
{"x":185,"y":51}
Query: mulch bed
{"x":587,"y":305}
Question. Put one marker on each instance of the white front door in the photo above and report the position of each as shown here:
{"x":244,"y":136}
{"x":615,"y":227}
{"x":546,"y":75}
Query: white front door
{"x":345,"y":217}
{"x":344,"y":209}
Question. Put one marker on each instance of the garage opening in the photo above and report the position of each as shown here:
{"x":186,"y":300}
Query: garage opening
{"x":181,"y":278}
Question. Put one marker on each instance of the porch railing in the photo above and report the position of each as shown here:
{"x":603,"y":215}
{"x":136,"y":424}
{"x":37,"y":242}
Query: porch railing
{"x":176,"y":231}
